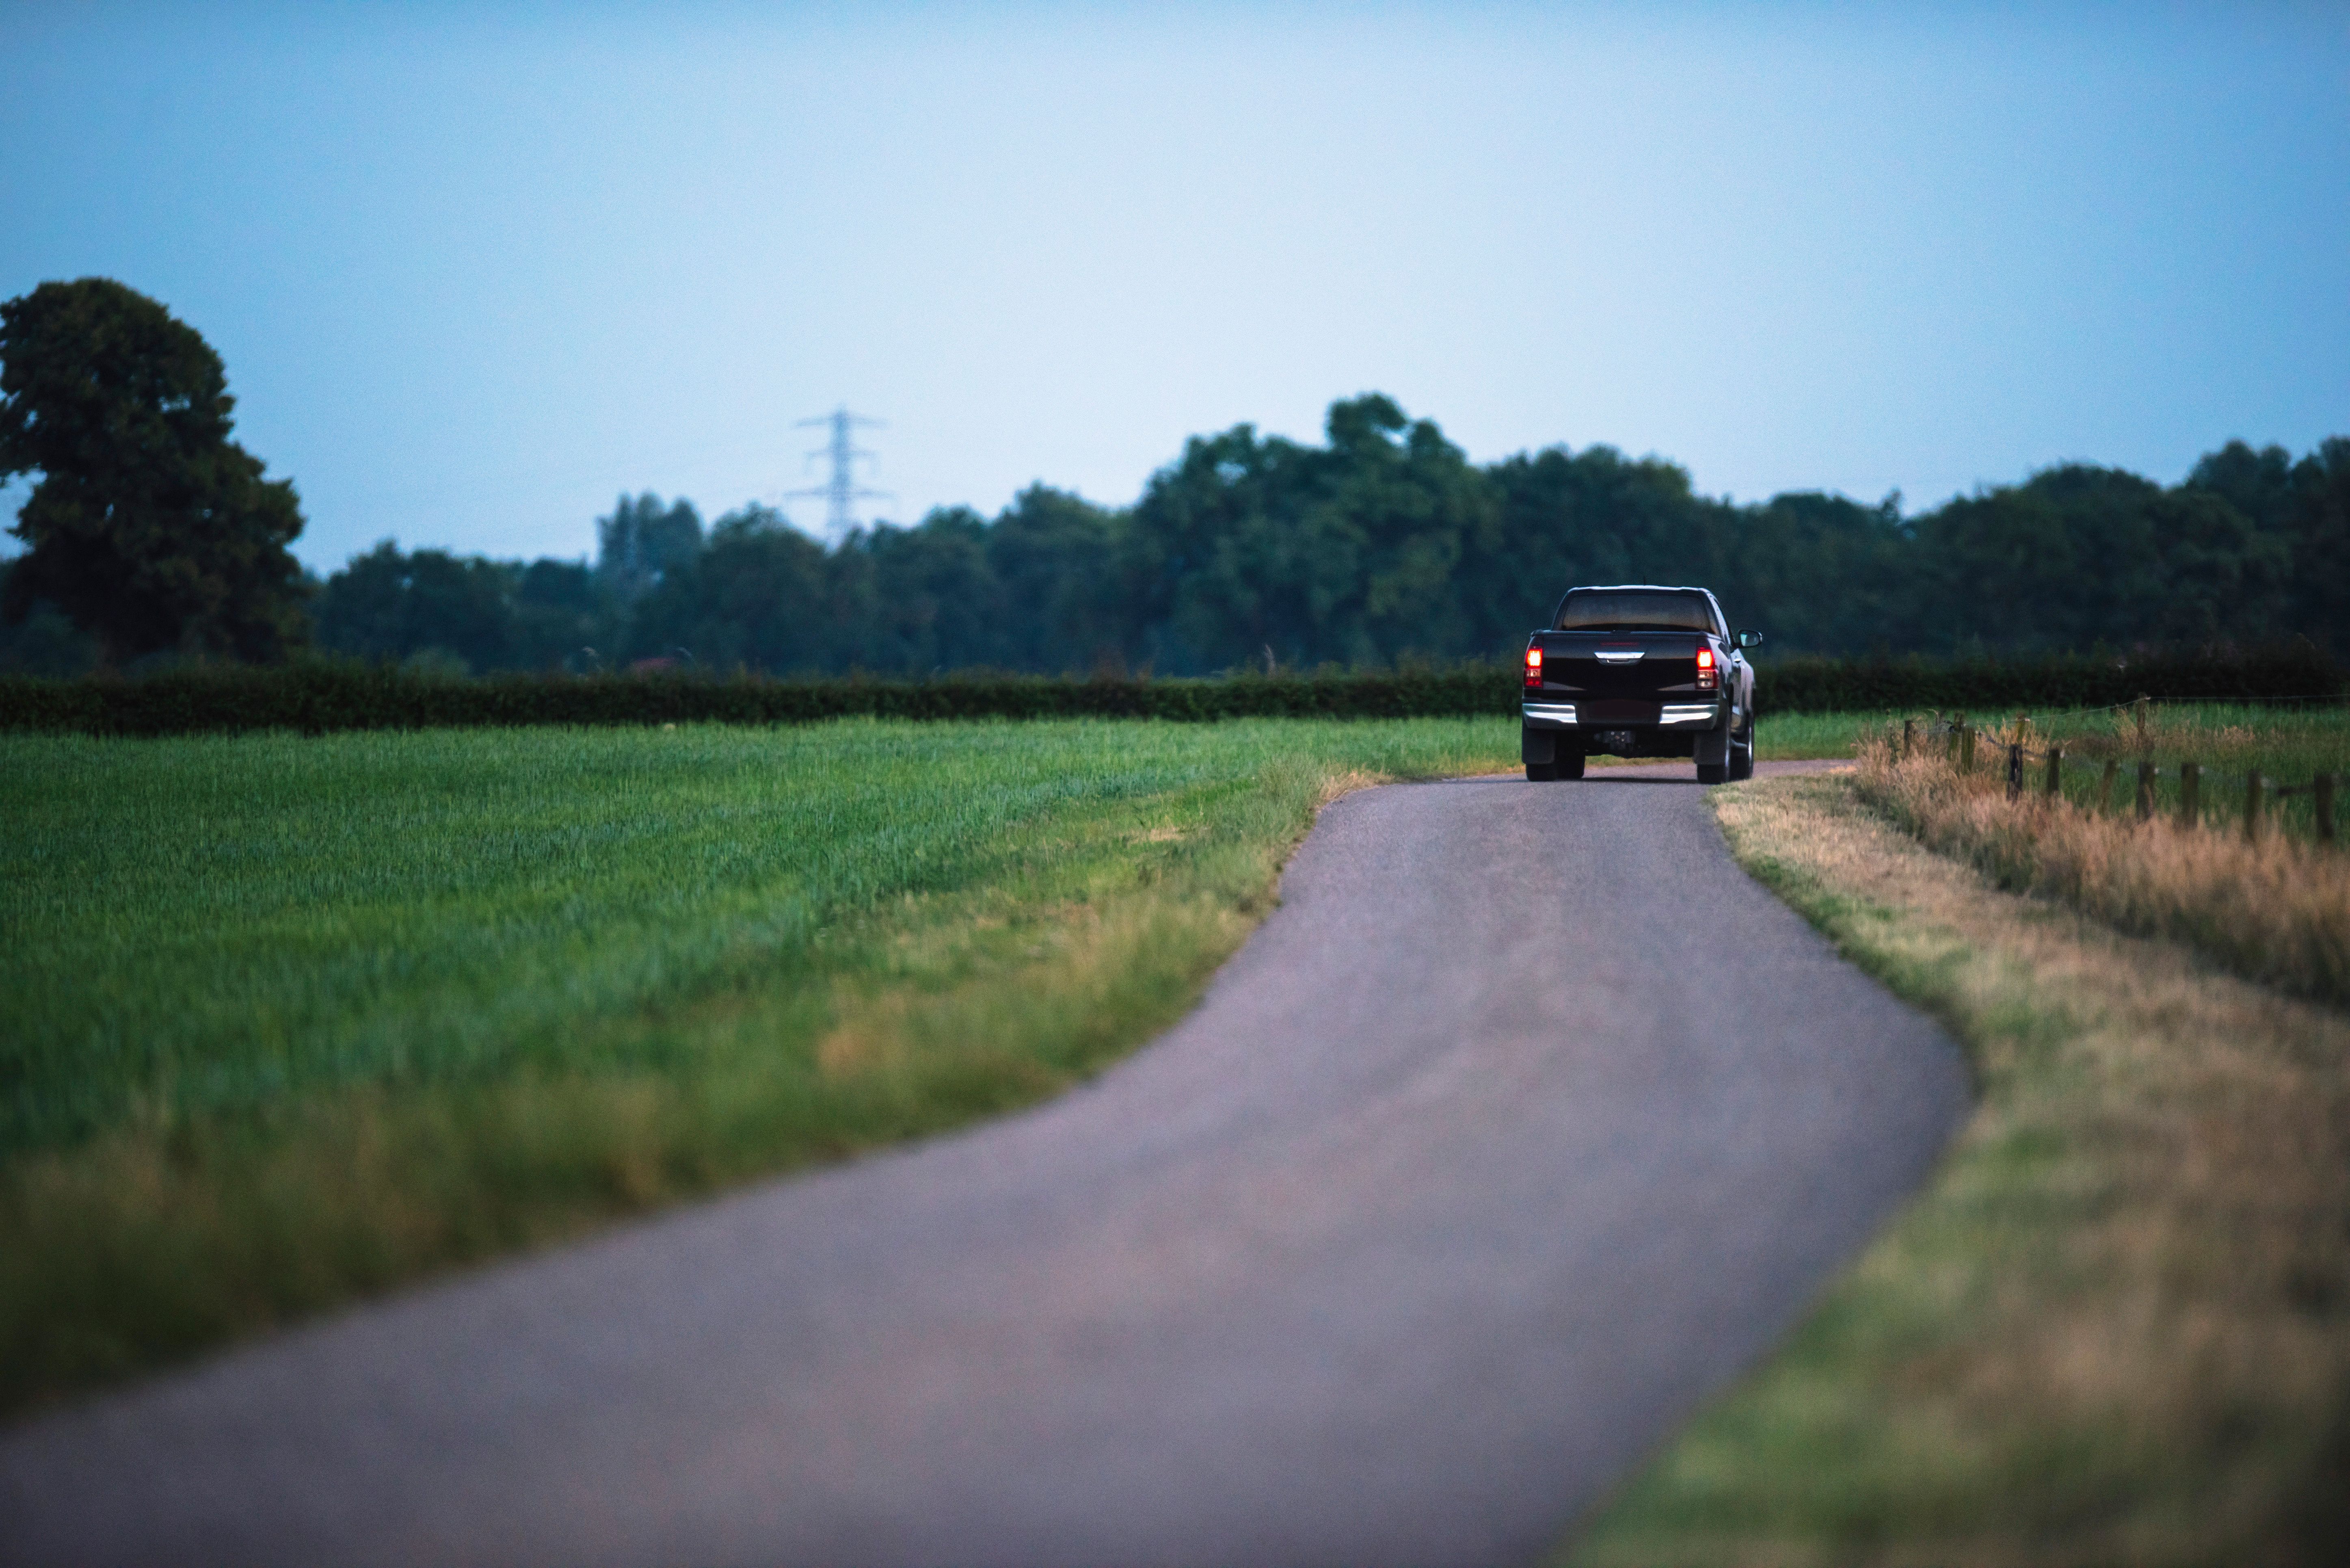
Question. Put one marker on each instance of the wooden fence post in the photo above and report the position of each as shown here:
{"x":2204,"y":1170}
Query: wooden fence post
{"x":1909,"y":735}
{"x":2252,"y":806}
{"x":2055,"y":772}
{"x":2321,"y":791}
{"x":2106,"y":785}
{"x":2014,"y":769}
{"x":2144,"y":790}
{"x":2190,"y":795}
{"x":1966,"y":748}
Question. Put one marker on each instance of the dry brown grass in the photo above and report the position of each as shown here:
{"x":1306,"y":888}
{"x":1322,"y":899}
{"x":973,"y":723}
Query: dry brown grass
{"x":2116,"y":1327}
{"x":1344,"y":781}
{"x":2276,"y":911}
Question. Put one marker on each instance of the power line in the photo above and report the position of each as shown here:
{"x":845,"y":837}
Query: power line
{"x":842,"y":492}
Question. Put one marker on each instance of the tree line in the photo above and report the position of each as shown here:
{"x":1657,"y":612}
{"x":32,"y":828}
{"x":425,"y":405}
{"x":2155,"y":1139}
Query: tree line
{"x":1382,"y":544}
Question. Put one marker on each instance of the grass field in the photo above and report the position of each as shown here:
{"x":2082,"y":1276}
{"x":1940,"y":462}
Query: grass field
{"x":2115,"y":1325}
{"x":291,"y":1019}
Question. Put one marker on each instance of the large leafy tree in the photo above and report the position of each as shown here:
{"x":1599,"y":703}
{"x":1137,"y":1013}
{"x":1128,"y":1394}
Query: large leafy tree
{"x":149,"y":526}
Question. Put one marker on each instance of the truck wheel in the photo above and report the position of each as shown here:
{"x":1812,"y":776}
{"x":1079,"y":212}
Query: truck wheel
{"x":1741,"y":753}
{"x":1712,"y":772}
{"x":1541,"y":773}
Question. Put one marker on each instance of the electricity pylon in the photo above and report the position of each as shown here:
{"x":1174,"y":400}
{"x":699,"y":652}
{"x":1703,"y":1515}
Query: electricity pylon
{"x":842,"y":494}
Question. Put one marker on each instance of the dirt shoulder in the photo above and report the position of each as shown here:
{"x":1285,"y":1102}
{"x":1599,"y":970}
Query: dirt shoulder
{"x":2117,"y":1326}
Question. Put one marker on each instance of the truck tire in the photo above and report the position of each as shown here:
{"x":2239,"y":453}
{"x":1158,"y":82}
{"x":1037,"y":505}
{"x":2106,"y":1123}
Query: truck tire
{"x":1570,"y":764}
{"x":1742,"y":751}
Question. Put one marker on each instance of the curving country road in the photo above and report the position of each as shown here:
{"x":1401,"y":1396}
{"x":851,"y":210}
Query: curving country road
{"x":1526,"y":1121}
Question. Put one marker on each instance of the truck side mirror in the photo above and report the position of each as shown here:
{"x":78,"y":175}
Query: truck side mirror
{"x":1750,"y":639}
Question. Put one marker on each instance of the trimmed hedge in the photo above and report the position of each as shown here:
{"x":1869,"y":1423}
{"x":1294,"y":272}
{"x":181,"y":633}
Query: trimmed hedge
{"x":317,"y":697}
{"x":1802,"y":685}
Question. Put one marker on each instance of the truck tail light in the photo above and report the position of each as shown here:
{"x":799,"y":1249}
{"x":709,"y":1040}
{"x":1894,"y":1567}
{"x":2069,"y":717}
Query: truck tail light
{"x":1707,"y":675}
{"x":1533,"y":666}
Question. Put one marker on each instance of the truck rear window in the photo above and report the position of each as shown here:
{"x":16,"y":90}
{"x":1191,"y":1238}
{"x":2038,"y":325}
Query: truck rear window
{"x":1602,"y":609}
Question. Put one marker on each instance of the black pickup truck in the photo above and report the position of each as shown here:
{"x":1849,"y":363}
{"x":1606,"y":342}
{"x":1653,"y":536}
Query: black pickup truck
{"x":1640,"y":671}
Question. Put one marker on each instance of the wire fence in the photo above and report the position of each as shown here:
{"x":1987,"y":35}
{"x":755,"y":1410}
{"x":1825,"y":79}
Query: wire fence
{"x":2260,"y":794}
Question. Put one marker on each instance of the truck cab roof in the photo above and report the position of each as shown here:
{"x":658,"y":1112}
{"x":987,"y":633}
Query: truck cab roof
{"x":1639,"y":606}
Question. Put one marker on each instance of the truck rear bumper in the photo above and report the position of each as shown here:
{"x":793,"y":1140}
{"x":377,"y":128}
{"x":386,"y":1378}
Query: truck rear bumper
{"x":1619,"y":715}
{"x":1624,"y":729}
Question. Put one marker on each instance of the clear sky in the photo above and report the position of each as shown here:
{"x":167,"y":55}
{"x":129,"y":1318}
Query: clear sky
{"x":476,"y":270}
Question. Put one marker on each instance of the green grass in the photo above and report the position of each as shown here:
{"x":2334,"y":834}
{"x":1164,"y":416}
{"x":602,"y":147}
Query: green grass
{"x":293,"y":1020}
{"x":1791,"y":737}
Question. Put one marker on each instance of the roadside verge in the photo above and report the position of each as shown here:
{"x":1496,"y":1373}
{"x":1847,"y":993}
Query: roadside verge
{"x":2117,"y":1326}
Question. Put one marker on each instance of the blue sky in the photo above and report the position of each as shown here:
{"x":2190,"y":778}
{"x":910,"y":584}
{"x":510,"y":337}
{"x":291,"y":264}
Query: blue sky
{"x":474,"y":272}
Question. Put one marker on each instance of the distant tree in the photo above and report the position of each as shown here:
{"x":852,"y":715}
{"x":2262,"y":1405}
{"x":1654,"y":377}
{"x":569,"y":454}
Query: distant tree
{"x":2319,"y":535}
{"x":1405,"y":506}
{"x":149,"y":526}
{"x":1054,"y":556}
{"x":560,"y":610}
{"x":1347,"y":553}
{"x":2258,"y":484}
{"x":1214,"y":554}
{"x":1592,"y":516}
{"x":2079,"y":554}
{"x":757,"y":596}
{"x":643,"y":543}
{"x":384,"y":605}
{"x":1818,"y":573}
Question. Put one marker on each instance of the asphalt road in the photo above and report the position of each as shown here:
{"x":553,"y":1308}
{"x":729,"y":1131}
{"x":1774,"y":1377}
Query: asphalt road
{"x":1526,"y":1121}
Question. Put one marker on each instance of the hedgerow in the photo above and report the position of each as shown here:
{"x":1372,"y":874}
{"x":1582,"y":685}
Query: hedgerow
{"x":1806,"y":685}
{"x":319,"y":695}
